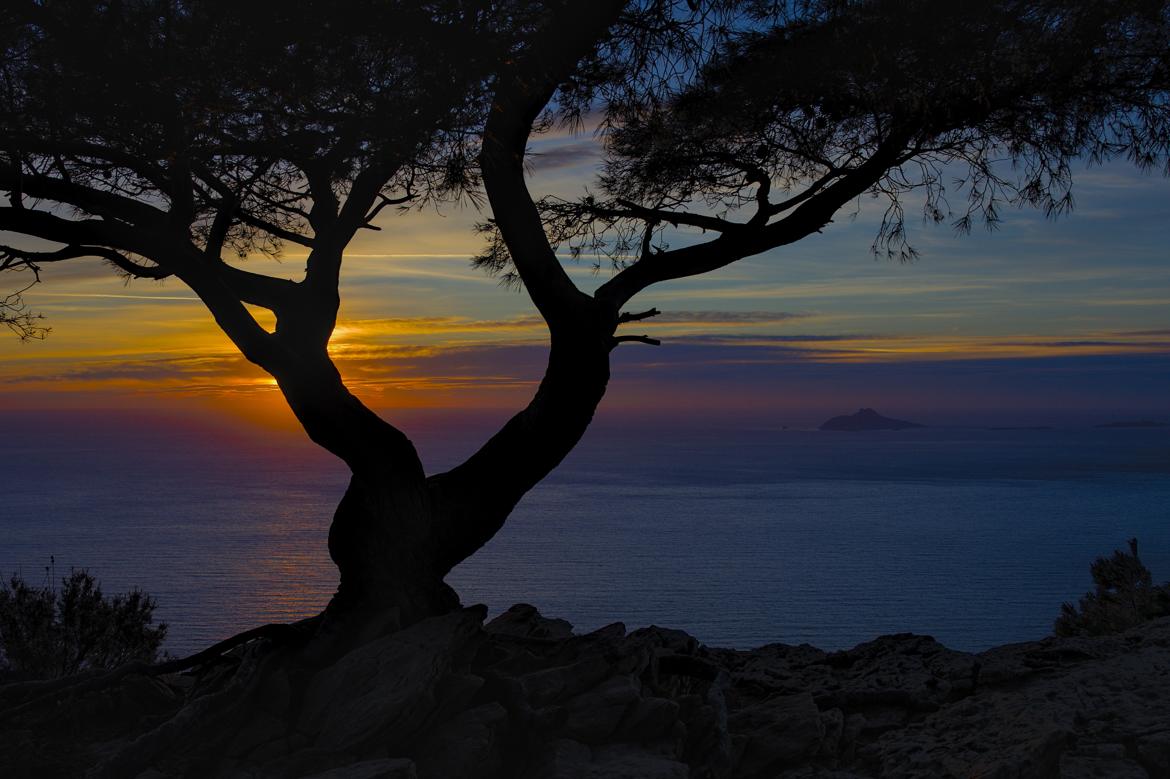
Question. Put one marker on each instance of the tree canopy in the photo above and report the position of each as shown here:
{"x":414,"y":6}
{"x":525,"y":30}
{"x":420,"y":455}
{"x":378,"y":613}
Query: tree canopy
{"x":179,"y":137}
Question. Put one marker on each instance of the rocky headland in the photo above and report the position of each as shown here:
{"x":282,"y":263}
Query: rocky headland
{"x":523,"y":697}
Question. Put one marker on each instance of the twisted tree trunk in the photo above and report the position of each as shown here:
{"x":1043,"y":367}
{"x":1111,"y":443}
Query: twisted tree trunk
{"x":396,"y":533}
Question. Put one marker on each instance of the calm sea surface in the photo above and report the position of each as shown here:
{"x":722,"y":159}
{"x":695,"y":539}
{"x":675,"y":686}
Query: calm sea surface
{"x":740,"y":537}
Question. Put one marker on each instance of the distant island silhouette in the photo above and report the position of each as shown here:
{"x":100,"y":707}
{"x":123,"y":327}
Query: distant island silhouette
{"x":1136,"y":423}
{"x":867,"y":419}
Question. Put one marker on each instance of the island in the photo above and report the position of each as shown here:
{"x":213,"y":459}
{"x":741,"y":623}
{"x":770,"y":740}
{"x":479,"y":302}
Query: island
{"x":1136,"y":423}
{"x":867,"y":419}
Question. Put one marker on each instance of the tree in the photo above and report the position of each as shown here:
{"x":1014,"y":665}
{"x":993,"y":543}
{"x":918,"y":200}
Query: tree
{"x":164,"y":136}
{"x":48,"y":633}
{"x":1124,"y":596}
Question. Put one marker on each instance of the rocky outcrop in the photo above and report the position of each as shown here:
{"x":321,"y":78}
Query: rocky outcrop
{"x":524,"y":697}
{"x":867,"y":419}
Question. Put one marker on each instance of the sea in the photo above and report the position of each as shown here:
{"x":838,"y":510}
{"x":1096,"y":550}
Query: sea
{"x":739,"y":535}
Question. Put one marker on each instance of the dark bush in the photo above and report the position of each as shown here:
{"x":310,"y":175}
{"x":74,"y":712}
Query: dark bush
{"x":47,"y":634}
{"x":1125,"y":596}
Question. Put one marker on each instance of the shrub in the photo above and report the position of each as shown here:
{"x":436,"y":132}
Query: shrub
{"x":1124,"y":596}
{"x":47,"y":634}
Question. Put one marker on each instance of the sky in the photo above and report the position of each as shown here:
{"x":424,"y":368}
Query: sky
{"x":1041,"y":321}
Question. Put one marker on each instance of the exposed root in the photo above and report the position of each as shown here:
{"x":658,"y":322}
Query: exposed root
{"x":28,"y":696}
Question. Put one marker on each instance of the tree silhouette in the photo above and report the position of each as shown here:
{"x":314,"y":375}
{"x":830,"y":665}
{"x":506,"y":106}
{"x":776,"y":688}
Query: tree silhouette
{"x":1123,"y":597}
{"x":52,"y":632}
{"x":170,"y":137}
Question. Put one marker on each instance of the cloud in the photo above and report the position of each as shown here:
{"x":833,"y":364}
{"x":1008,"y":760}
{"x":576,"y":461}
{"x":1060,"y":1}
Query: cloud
{"x":1085,"y":344}
{"x":1140,"y":333}
{"x":101,"y":295}
{"x":142,"y":370}
{"x":762,"y":340}
{"x":724,"y":317}
{"x":832,"y":290}
{"x":353,"y":334}
{"x":563,"y":156}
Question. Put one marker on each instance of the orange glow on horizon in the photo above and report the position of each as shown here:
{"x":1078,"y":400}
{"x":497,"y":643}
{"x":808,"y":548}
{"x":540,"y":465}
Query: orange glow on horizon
{"x":419,"y":361}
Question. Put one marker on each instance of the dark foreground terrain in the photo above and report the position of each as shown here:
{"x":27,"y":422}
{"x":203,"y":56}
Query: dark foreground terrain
{"x":523,"y":697}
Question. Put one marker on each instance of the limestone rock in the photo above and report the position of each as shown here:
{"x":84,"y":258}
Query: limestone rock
{"x":780,"y":731}
{"x":468,"y":746}
{"x":562,"y":682}
{"x":592,"y":717}
{"x":399,"y":768}
{"x":385,"y":689}
{"x":447,"y":698}
{"x":567,"y":759}
{"x":524,"y":621}
{"x":648,"y":719}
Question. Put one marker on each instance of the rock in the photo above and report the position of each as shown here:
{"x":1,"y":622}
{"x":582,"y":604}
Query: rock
{"x":562,"y":759}
{"x":524,"y":621}
{"x":1083,"y":767}
{"x":396,"y":768}
{"x":444,"y":698}
{"x":567,"y":759}
{"x":1048,"y":705}
{"x":543,"y":687}
{"x":386,"y":690}
{"x":648,"y":719}
{"x":624,"y":761}
{"x":833,"y":722}
{"x":467,"y":747}
{"x":1153,"y":752}
{"x":594,"y":716}
{"x":777,"y":732}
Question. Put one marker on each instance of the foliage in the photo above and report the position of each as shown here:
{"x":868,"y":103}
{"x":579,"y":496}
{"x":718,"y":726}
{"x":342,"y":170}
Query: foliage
{"x":970,"y":106}
{"x":47,"y":633}
{"x":1125,"y":596}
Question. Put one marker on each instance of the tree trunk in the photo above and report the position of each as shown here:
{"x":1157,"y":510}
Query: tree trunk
{"x":473,"y":500}
{"x":396,"y":534}
{"x":383,"y":544}
{"x":382,"y":537}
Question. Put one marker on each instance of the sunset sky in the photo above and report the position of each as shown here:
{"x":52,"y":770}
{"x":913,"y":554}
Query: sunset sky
{"x":1068,"y":317}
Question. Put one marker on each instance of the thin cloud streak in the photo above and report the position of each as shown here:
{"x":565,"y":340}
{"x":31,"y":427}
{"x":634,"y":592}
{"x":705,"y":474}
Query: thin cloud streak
{"x":40,"y":296}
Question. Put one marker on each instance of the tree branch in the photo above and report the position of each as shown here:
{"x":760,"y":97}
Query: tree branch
{"x":41,"y":224}
{"x":628,"y":317}
{"x":472,"y":501}
{"x":643,"y":339}
{"x":93,"y":201}
{"x":774,"y":209}
{"x":275,"y":231}
{"x":384,"y":201}
{"x":61,"y":149}
{"x":10,"y":258}
{"x":674,"y":218}
{"x":224,"y":215}
{"x":14,"y":313}
{"x":258,"y":289}
{"x":811,"y":216}
{"x":522,"y":92}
